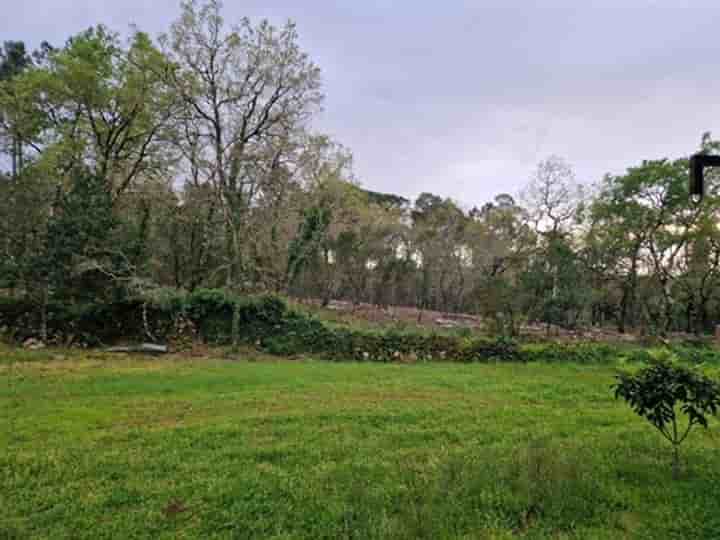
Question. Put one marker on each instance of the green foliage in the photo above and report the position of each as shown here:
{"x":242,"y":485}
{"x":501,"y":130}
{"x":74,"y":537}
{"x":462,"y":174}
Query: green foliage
{"x":696,"y":355}
{"x":309,"y":335}
{"x":659,"y":392}
{"x":212,"y":310}
{"x":555,"y":290}
{"x":78,"y":232}
{"x":386,"y":199}
{"x":580,"y":353}
{"x":267,"y":322}
{"x":306,"y":246}
{"x":14,"y":59}
{"x":264,"y":320}
{"x":96,"y":323}
{"x":639,"y":356}
{"x":114,"y":92}
{"x":268,"y":206}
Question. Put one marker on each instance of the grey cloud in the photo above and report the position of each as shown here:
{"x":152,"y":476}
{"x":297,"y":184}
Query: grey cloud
{"x":464,"y":97}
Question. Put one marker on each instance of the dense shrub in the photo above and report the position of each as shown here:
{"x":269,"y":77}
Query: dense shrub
{"x":693,"y":354}
{"x":212,"y":311}
{"x":15,"y":315}
{"x":90,"y":324}
{"x":96,"y":323}
{"x":267,"y":322}
{"x":308,"y":335}
{"x":580,"y":353}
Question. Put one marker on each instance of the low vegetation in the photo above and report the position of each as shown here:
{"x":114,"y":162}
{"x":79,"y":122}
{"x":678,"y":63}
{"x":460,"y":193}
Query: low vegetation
{"x":663,"y":393}
{"x":245,"y":446}
{"x":269,"y":324}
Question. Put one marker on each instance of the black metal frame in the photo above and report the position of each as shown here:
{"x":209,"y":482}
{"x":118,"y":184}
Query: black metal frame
{"x":698,"y":164}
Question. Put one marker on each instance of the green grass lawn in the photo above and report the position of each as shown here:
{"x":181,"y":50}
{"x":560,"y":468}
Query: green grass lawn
{"x":96,"y":446}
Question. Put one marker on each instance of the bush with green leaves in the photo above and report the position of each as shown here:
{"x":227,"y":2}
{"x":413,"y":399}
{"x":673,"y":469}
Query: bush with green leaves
{"x":266,"y":321}
{"x":663,"y":392}
{"x":303,"y":334}
{"x":580,"y":353}
{"x":696,"y":354}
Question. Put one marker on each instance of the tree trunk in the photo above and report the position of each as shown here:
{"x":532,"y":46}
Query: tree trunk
{"x":146,"y":322}
{"x":234,"y":277}
{"x":667,"y":313}
{"x":704,"y":318}
{"x":235,"y":329}
{"x":44,"y":315}
{"x":198,"y":270}
{"x":13,"y":153}
{"x":623,"y":311}
{"x":628,"y":303}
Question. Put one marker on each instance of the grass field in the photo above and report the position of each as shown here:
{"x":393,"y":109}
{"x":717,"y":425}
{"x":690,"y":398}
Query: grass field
{"x":95,"y":446}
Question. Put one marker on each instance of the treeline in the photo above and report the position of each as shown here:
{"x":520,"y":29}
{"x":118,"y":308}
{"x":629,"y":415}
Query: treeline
{"x":189,"y":162}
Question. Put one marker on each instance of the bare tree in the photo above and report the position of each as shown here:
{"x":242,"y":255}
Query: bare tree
{"x":248,"y":92}
{"x":553,"y":196}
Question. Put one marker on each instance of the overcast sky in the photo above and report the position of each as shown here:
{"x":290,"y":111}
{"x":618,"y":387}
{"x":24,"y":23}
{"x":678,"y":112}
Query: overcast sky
{"x":463,"y":98}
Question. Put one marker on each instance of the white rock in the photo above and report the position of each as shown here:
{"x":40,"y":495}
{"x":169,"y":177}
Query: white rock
{"x":33,"y":344}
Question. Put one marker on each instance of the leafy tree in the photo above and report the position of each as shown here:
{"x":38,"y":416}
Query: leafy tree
{"x":69,"y":243}
{"x":438,"y":236}
{"x":644,"y":221}
{"x":95,"y":104}
{"x":660,"y":392}
{"x":14,"y":59}
{"x":310,"y":241}
{"x":554,"y":292}
{"x":78,"y":237}
{"x":333,"y":202}
{"x":386,"y":199}
{"x":202,"y":148}
{"x":366,"y":251}
{"x":500,"y":242}
{"x":24,"y":207}
{"x":554,"y":286}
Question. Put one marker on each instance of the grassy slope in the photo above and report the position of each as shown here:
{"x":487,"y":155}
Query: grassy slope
{"x":115,"y":447}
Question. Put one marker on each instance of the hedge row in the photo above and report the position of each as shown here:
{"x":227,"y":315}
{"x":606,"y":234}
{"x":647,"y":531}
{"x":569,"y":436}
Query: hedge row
{"x":267,"y":322}
{"x":305,"y":334}
{"x":206,"y":314}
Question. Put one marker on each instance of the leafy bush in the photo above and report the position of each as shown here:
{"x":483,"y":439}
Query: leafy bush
{"x":500,"y":349}
{"x":639,"y":356}
{"x":657,"y":393}
{"x":696,"y":354}
{"x":267,"y":321}
{"x":580,"y":353}
{"x":88,"y":323}
{"x":15,"y":315}
{"x":98,"y":323}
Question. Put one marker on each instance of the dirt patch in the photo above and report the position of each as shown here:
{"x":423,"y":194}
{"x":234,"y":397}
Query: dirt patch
{"x":397,"y":314}
{"x":174,"y":508}
{"x":348,"y":313}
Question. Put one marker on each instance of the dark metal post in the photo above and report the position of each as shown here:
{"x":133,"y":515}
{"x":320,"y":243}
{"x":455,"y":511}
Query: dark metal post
{"x":698,"y":163}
